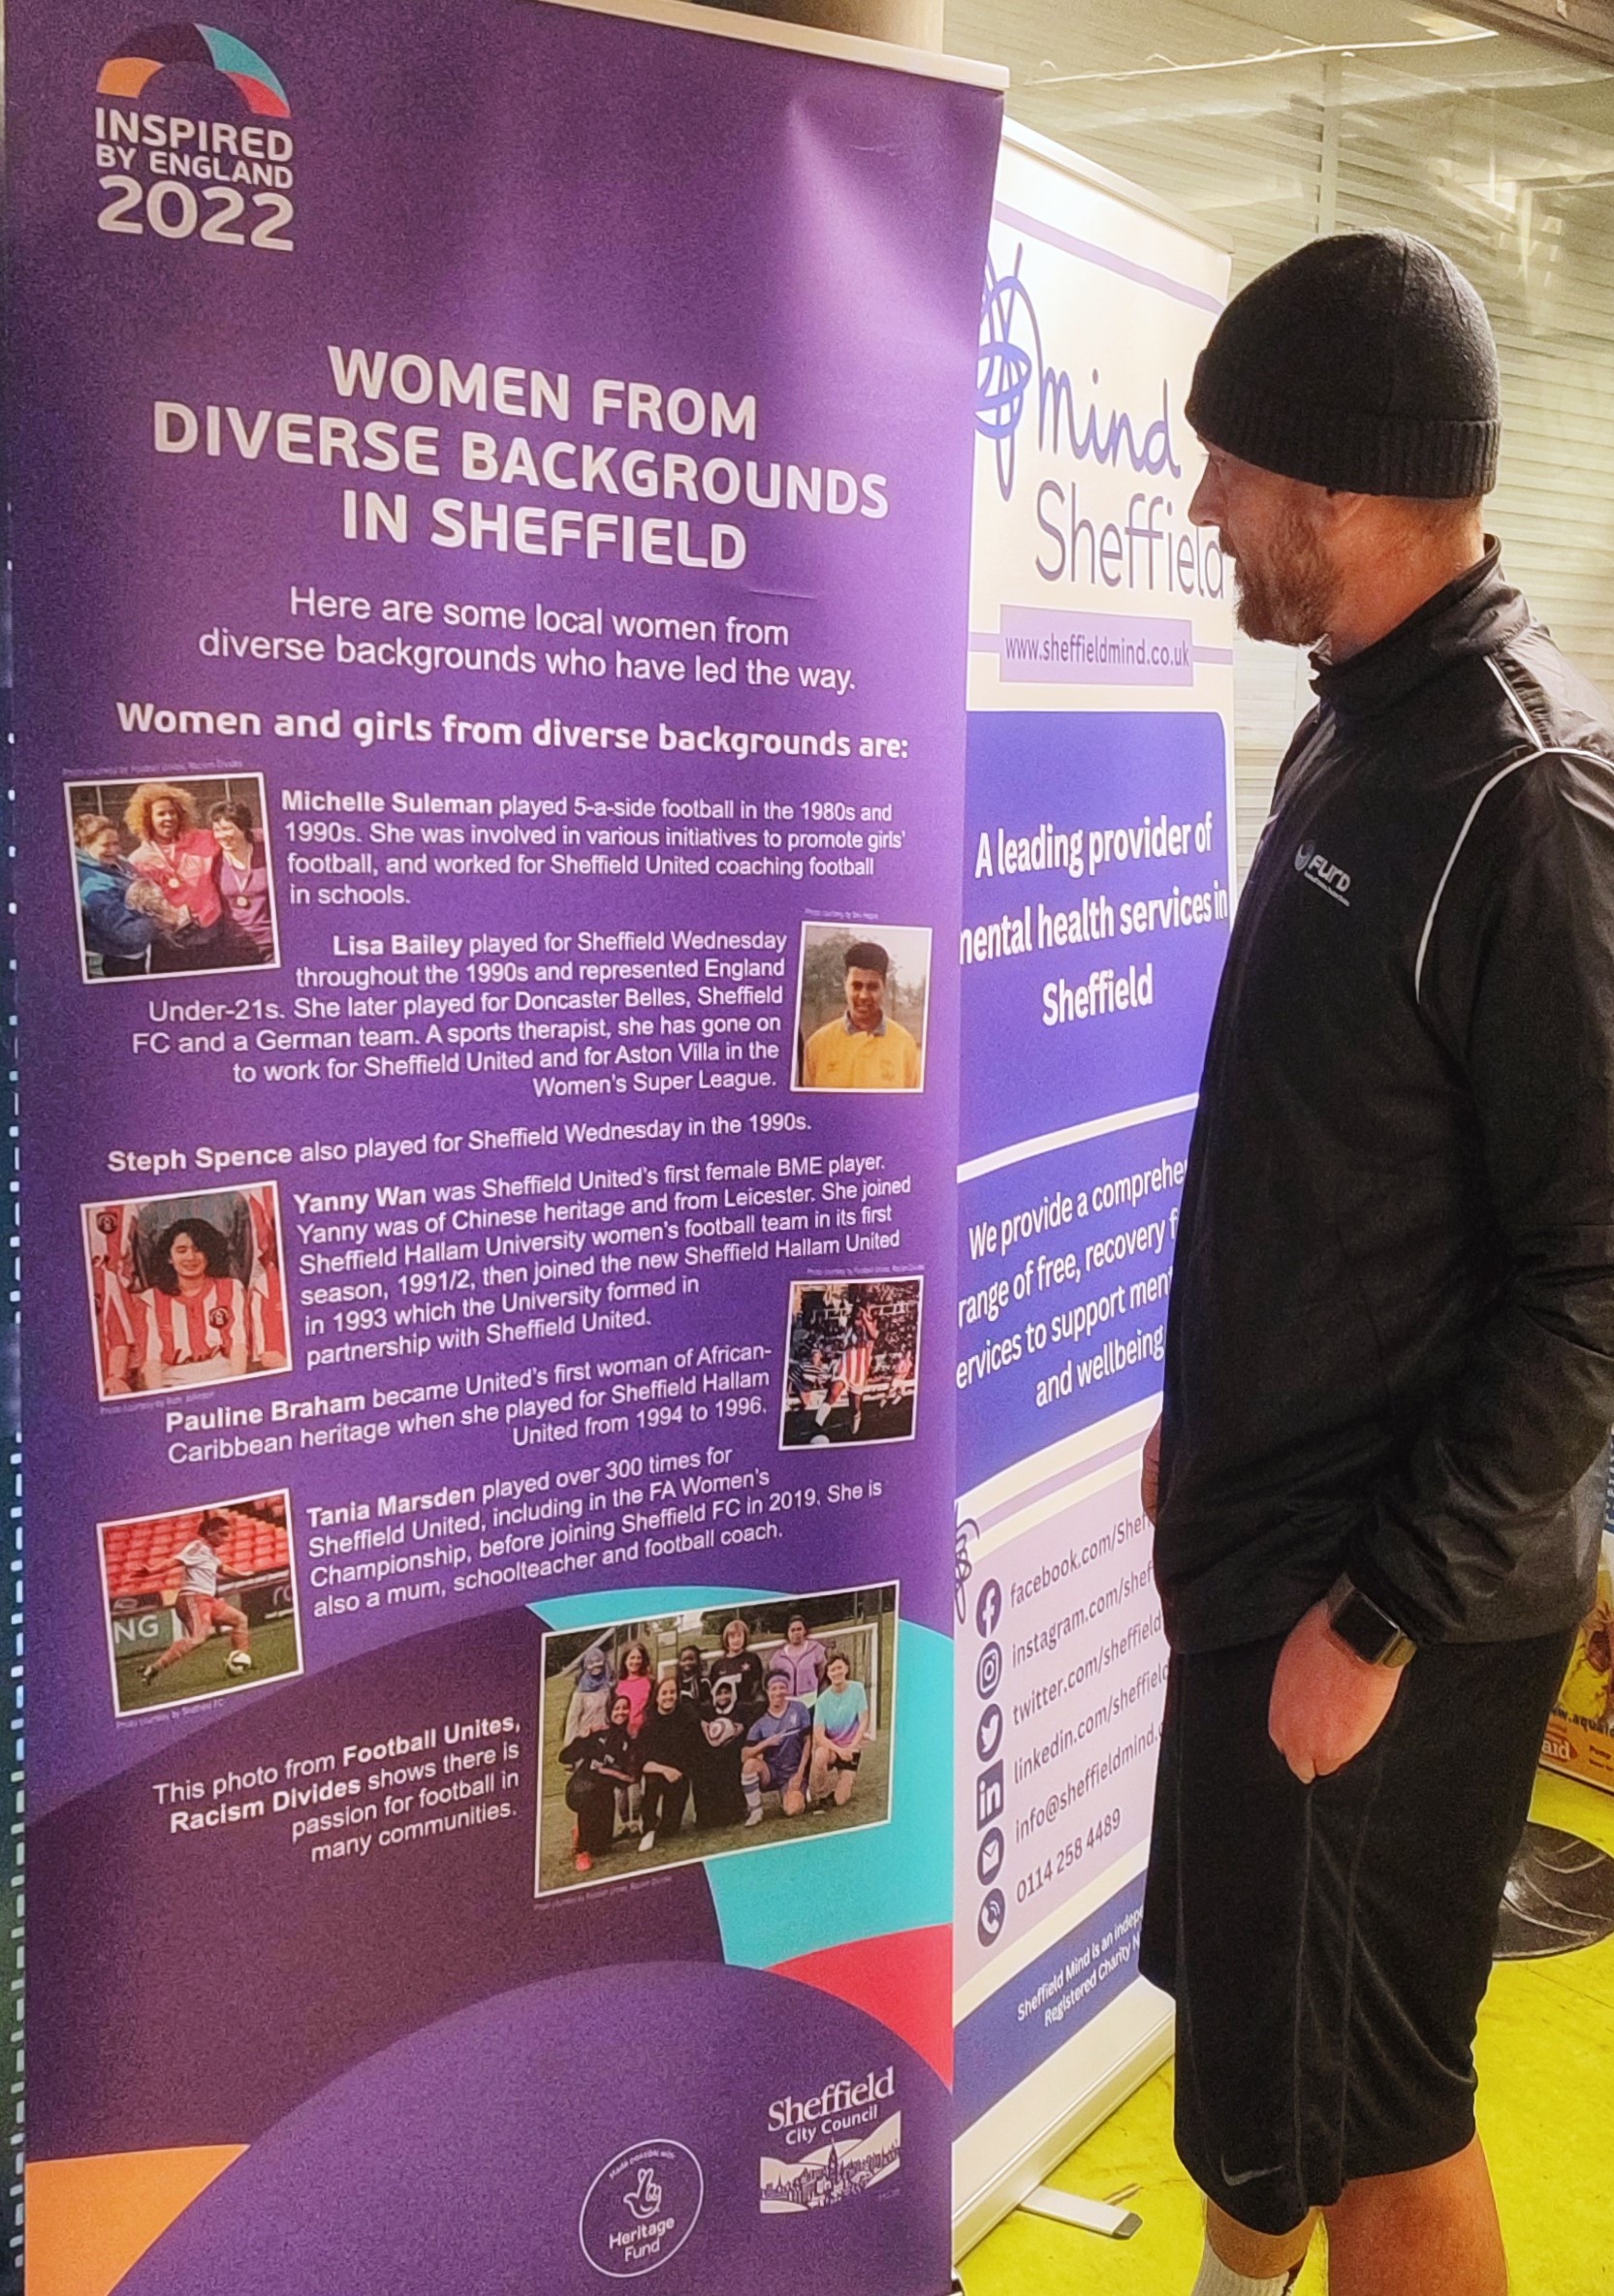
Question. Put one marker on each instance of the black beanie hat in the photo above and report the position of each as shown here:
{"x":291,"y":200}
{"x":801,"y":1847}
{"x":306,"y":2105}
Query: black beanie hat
{"x":1363,"y":361}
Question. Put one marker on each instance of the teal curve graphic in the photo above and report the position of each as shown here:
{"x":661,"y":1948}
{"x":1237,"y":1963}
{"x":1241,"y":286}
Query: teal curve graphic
{"x":878,"y":1879}
{"x":145,"y":53}
{"x":869,"y":1882}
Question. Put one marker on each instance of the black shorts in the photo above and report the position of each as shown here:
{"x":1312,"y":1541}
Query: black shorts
{"x":1328,"y":1946}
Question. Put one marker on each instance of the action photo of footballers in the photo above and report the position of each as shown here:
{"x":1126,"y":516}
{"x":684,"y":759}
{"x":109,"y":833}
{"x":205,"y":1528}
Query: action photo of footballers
{"x":200,"y":1603}
{"x":764,"y":1723}
{"x":172,"y":874}
{"x":851,"y":1363}
{"x":186,"y":1291}
{"x":860,"y":1002}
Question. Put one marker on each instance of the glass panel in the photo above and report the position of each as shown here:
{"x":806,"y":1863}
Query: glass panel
{"x":1270,"y":125}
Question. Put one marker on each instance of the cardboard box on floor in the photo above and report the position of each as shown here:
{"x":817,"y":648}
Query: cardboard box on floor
{"x":1580,"y":1736}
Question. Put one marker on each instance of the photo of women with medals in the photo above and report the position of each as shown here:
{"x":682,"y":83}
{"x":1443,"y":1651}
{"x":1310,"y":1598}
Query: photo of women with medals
{"x":243,"y":878}
{"x":173,"y":876}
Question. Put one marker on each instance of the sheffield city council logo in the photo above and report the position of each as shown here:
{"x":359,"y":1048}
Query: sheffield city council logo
{"x":640,"y":2209}
{"x":188,"y":144}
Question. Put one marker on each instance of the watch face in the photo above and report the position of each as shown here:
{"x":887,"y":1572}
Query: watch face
{"x":1362,"y":1627}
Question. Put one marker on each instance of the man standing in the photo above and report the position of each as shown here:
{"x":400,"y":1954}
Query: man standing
{"x":861,"y":1050}
{"x":1379,"y":1474}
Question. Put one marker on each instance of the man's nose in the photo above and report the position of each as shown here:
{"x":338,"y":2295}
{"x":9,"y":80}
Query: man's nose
{"x":1207,"y":507}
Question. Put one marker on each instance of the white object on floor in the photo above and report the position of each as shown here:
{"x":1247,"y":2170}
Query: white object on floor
{"x":1088,"y":2215}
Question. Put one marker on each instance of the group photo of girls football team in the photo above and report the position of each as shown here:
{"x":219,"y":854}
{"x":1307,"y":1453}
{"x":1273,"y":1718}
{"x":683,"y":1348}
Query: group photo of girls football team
{"x":667,"y":1740}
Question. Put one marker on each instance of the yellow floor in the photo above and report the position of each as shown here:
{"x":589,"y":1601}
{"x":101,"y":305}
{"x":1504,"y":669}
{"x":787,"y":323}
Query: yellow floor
{"x":1546,"y":2113}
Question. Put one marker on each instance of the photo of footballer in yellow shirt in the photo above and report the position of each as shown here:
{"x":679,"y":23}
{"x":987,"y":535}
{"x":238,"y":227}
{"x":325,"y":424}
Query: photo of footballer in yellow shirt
{"x":861,"y":1021}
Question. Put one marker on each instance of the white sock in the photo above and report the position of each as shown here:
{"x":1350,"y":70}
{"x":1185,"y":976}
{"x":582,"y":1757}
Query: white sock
{"x":1217,"y":2279}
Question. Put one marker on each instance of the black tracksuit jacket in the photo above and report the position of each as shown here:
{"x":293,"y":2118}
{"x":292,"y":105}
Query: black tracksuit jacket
{"x":1391,"y":1339}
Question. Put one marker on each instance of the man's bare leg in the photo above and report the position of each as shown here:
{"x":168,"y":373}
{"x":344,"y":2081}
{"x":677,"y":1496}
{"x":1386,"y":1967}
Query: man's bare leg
{"x":1258,"y":2260}
{"x":1426,"y":2228}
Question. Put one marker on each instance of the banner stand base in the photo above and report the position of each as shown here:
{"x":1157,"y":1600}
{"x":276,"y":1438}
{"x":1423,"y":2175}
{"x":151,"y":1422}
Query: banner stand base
{"x":1087,"y":2215}
{"x":1006,"y":2190}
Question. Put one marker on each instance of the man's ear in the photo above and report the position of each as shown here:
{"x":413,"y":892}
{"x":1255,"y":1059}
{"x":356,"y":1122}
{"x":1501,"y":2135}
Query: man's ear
{"x":1341,"y":509}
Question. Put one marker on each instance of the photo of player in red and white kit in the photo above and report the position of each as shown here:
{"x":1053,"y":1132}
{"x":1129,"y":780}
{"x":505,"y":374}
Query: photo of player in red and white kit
{"x":186,"y":1291}
{"x":201,"y":1606}
{"x":853,"y":1371}
{"x":851,"y":1363}
{"x":200,"y":1602}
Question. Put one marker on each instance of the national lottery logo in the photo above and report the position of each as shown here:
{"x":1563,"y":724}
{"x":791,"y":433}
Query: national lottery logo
{"x":188,"y":144}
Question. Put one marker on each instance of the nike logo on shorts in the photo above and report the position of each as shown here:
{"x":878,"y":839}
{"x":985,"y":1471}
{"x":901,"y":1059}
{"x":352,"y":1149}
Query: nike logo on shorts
{"x":1248,"y":2175}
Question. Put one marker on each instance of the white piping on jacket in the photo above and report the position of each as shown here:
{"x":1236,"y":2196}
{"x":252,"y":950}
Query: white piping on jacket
{"x":1541,"y":749}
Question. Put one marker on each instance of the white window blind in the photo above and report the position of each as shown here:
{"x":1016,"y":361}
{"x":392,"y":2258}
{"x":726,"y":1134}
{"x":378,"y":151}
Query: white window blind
{"x":1281,"y":121}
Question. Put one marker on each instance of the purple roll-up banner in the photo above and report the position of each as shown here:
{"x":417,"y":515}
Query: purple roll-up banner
{"x":1098,"y":877}
{"x":491,"y":505}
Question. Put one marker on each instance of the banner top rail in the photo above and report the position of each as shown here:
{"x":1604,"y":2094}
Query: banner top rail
{"x":1105,"y":180}
{"x":801,"y":38}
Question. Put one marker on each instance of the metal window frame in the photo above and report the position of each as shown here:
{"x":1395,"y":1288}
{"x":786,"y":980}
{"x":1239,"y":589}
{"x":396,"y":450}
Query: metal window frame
{"x":1583,"y":28}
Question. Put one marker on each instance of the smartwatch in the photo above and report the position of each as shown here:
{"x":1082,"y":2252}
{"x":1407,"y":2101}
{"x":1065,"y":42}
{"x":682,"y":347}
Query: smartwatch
{"x":1364,"y":1628}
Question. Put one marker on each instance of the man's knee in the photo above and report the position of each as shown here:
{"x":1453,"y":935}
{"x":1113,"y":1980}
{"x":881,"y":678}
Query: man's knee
{"x":1411,"y":2192}
{"x":1258,"y":2255}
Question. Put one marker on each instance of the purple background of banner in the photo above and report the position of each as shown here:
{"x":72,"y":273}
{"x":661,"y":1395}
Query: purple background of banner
{"x":1021,"y":1082}
{"x":1105,"y":768}
{"x":997,"y":2047}
{"x":571,"y":192}
{"x":843,"y":282}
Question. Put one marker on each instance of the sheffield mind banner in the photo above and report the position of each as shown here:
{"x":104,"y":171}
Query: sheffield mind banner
{"x":492,"y":507}
{"x":1097,"y":898}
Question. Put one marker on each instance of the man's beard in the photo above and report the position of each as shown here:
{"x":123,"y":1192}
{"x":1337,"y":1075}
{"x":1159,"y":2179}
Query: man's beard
{"x":1290,"y":597}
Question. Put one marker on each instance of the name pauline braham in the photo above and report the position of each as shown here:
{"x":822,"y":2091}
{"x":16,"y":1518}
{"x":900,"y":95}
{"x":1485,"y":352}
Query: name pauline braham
{"x":532,"y":1411}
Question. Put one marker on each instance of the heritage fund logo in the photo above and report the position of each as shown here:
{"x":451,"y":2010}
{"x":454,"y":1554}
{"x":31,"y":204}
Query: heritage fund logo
{"x":640,"y":2209}
{"x":187,"y":145}
{"x":841,"y":2142}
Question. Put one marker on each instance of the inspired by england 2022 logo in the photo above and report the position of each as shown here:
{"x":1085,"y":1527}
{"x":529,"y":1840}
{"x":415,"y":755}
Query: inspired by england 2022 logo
{"x":186,"y":141}
{"x":640,"y":2209}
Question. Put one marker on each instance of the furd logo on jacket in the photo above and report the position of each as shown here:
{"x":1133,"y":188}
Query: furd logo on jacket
{"x":1326,"y":875}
